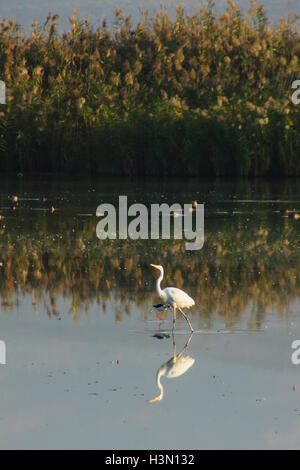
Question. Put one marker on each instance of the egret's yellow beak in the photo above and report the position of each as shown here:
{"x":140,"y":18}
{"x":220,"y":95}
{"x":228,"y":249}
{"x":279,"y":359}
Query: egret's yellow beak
{"x":155,"y":399}
{"x":154,"y":266}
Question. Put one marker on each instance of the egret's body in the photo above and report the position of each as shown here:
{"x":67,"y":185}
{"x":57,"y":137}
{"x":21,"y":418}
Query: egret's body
{"x":173,"y":296}
{"x":175,"y":367}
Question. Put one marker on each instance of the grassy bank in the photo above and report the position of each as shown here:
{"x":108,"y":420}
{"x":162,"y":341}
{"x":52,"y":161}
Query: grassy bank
{"x":199,"y":95}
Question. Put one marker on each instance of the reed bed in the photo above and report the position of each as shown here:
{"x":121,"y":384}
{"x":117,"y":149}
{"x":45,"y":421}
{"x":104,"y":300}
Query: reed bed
{"x":201,"y":94}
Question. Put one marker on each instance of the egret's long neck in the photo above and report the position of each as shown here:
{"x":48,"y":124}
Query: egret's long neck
{"x":160,"y":372}
{"x":158,"y":282}
{"x":161,"y":388}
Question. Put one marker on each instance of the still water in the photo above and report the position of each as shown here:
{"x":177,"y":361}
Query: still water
{"x":78,"y":321}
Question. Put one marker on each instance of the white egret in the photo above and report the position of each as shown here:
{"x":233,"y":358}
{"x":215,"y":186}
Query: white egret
{"x":174,"y":367}
{"x":173,"y":296}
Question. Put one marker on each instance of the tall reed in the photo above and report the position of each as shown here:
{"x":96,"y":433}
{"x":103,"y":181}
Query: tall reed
{"x":202,"y":94}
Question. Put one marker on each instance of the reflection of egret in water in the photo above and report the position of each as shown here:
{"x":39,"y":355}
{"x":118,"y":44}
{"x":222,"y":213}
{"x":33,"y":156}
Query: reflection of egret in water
{"x":174,"y":367}
{"x":173,"y":296}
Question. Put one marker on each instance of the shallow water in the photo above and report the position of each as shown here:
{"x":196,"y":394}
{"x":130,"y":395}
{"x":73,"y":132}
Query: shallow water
{"x":77,"y":319}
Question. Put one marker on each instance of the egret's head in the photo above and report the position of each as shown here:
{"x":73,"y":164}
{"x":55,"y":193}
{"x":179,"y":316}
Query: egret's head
{"x":157,"y":266}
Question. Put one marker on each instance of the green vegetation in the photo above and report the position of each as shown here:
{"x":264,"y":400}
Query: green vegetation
{"x":203,"y":95}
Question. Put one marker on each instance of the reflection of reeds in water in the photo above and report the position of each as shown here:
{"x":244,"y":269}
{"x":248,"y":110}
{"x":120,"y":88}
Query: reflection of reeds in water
{"x":200,"y":94}
{"x":236,"y":269}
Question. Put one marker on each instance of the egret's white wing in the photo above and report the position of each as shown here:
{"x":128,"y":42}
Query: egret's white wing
{"x":179,"y":297}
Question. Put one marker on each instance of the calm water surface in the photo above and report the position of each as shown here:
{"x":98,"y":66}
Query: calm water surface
{"x":78,"y":321}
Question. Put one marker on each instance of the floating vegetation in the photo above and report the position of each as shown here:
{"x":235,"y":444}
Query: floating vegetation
{"x":203,"y":94}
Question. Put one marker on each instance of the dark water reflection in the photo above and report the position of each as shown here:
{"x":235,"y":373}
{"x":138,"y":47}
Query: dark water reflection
{"x":249,"y":263}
